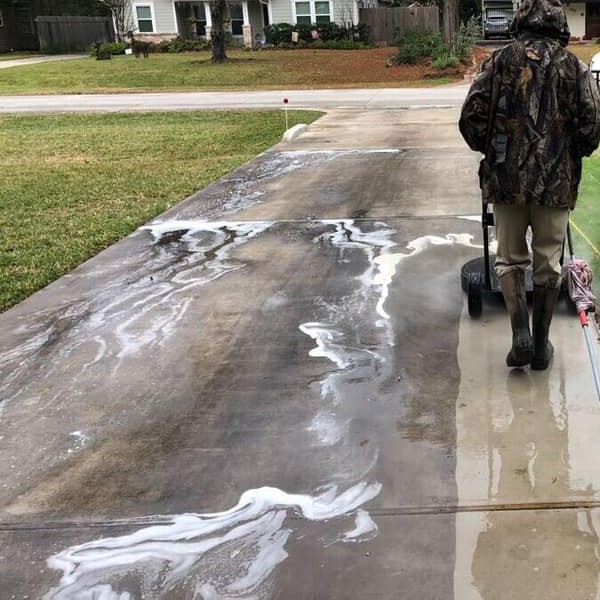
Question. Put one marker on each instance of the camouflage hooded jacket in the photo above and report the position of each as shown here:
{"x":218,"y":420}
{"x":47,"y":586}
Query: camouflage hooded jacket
{"x":534,"y":111}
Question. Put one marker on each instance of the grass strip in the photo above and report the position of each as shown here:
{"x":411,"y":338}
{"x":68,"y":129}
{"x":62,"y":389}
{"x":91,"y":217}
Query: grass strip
{"x":72,"y":185}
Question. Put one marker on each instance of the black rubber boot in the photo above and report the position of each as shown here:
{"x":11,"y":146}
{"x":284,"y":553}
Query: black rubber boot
{"x":513,"y":290}
{"x":544,"y":301}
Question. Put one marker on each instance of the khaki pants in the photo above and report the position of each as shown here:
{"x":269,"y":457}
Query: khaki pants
{"x":548,"y":228}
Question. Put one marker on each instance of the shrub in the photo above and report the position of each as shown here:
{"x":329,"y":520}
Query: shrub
{"x":278,"y":32}
{"x":413,"y":45}
{"x":117,"y":48}
{"x":406,"y":55}
{"x":464,"y":39}
{"x":180,"y":44}
{"x":304,"y":32}
{"x":111,"y":48}
{"x":332,"y":31}
{"x":445,"y":60}
{"x":361,"y":33}
{"x":345,"y":45}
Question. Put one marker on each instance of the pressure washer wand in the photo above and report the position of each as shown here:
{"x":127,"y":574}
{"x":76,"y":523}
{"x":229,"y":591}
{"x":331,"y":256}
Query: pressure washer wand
{"x":579,"y":282}
{"x":591,"y":350}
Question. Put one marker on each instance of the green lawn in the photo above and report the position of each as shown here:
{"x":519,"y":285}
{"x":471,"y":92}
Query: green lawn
{"x":269,"y":69}
{"x":72,"y":185}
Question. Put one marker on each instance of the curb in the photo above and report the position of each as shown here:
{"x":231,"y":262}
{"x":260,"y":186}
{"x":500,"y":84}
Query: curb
{"x":293,"y":132}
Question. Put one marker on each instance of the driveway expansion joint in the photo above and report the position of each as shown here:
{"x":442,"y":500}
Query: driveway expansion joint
{"x":417,"y":511}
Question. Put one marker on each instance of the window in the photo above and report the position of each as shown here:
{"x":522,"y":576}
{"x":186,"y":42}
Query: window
{"x":144,"y":19}
{"x":200,"y":16}
{"x":317,"y":12}
{"x":322,"y":14}
{"x":303,"y":16}
{"x":237,"y":19}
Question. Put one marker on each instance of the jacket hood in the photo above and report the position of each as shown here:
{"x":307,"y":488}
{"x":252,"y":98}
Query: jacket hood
{"x":541,"y":18}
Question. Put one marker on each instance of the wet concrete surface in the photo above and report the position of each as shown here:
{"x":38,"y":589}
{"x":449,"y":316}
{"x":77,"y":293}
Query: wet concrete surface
{"x":274,"y":391}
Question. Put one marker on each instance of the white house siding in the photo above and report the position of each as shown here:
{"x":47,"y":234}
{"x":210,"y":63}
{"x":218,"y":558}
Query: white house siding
{"x":163,"y":18}
{"x":576,"y":19}
{"x":281,"y":11}
{"x":345,"y":11}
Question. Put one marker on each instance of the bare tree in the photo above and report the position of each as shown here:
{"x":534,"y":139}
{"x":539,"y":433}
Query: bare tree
{"x":218,"y":9}
{"x":122,"y":15}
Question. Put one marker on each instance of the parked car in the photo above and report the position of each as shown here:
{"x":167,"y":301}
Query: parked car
{"x":496,"y":26}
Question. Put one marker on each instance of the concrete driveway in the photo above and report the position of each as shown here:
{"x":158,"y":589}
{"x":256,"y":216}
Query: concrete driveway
{"x":274,"y":391}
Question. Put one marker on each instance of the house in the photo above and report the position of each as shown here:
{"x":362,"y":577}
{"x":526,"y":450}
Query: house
{"x":583,"y":18}
{"x":163,"y":19}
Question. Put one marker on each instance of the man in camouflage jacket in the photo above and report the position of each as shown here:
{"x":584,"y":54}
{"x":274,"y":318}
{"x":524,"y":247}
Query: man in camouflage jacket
{"x":534,"y":112}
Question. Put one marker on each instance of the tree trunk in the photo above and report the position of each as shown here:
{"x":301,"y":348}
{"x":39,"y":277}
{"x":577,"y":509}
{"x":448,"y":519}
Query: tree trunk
{"x":217,"y":32}
{"x":449,"y":18}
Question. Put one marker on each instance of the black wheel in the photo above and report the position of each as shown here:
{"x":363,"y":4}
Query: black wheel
{"x":474,"y":298}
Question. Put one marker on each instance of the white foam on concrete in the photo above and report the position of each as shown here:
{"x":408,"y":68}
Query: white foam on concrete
{"x":252,"y":535}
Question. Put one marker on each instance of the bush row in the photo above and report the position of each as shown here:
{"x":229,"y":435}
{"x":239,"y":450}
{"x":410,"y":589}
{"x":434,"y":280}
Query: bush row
{"x":280,"y":34}
{"x":319,"y":44}
{"x":178,"y":44}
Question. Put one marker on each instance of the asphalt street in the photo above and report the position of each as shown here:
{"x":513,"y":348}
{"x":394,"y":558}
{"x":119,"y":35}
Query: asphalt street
{"x":372,"y":98}
{"x":274,"y":391}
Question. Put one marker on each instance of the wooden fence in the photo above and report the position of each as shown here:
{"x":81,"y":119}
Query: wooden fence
{"x":384,"y":22}
{"x":69,"y":34}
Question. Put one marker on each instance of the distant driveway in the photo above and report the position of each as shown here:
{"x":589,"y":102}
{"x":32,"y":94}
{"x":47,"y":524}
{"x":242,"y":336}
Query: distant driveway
{"x":32,"y":60}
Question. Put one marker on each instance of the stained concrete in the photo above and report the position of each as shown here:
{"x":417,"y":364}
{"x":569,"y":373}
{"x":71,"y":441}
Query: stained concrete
{"x":300,"y":325}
